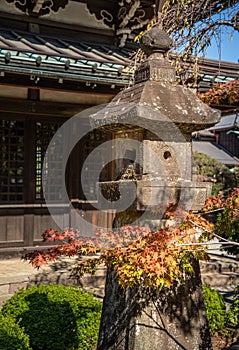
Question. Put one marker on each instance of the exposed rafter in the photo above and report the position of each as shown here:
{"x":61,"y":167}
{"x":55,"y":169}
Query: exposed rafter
{"x":38,"y":8}
{"x":126,"y":17}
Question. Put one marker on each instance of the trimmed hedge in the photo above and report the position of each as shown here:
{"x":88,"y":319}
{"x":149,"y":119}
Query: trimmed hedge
{"x":221,"y":321}
{"x":56,"y":317}
{"x":12,"y":336}
{"x":215,"y":309}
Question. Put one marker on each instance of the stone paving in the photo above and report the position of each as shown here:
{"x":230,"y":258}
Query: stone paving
{"x":16,"y":273}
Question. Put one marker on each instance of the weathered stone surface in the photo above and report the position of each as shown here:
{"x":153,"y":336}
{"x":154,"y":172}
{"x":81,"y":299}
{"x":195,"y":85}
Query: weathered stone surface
{"x":154,"y":194}
{"x":166,"y":114}
{"x":157,"y":106}
{"x":4,"y":289}
{"x":156,"y":97}
{"x":136,"y":319}
{"x":155,"y":40}
{"x":14,"y":287}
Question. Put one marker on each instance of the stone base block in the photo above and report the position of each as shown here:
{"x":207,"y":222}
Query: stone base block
{"x":153,"y":194}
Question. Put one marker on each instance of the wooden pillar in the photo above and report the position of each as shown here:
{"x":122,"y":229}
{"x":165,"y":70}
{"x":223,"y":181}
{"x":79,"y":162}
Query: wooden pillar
{"x":29,"y":179}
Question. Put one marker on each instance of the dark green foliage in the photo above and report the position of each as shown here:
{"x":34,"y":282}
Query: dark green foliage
{"x":209,"y":169}
{"x":12,"y":336}
{"x":215,"y":309}
{"x":228,"y":227}
{"x":56,"y":317}
{"x":227,"y":224}
{"x":206,"y":166}
{"x":233,"y":313}
{"x":221,"y":321}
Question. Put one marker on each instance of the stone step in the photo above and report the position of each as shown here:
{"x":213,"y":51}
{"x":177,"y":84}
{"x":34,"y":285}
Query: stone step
{"x":225,"y":279}
{"x":222,"y":274}
{"x":219,"y":266}
{"x":4,"y":298}
{"x":62,"y":277}
{"x":99,"y":292}
{"x":220,"y":263}
{"x":95,"y":281}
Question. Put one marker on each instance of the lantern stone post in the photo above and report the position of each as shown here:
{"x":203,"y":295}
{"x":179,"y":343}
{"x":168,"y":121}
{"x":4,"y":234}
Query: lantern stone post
{"x":163,"y":114}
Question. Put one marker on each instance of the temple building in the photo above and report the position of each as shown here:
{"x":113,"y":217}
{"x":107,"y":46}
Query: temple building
{"x":58,"y":59}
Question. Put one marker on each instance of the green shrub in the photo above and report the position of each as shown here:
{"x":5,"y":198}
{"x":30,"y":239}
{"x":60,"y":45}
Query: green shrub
{"x":215,"y":310}
{"x":56,"y":317}
{"x":210,"y":169}
{"x":233,"y":312}
{"x":12,"y":336}
{"x":221,"y":321}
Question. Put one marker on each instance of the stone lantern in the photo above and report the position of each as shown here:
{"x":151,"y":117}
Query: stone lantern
{"x":151,"y":123}
{"x":158,"y":115}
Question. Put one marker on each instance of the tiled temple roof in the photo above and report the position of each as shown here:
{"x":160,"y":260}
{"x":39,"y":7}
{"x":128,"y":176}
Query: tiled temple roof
{"x":51,"y":57}
{"x":226,"y":123}
{"x":214,"y":71}
{"x":214,"y":151}
{"x":48,"y":56}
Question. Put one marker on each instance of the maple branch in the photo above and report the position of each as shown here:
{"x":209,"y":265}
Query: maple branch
{"x":206,"y":243}
{"x":211,"y":211}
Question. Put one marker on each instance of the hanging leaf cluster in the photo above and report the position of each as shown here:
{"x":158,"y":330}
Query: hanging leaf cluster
{"x":226,"y":227}
{"x":222,"y":94}
{"x":155,"y":259}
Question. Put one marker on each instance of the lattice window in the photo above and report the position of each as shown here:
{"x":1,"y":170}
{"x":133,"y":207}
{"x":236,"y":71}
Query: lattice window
{"x":12,"y":160}
{"x":12,"y":150}
{"x":44,"y":134}
{"x":90,"y":142}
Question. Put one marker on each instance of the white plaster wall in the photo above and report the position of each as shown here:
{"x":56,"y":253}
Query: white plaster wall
{"x":73,"y":13}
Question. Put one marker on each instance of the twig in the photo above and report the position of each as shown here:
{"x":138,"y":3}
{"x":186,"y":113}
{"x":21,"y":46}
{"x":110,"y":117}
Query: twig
{"x":214,"y":234}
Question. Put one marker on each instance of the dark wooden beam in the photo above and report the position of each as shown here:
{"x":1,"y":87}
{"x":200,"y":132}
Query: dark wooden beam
{"x":60,"y":85}
{"x":41,"y":108}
